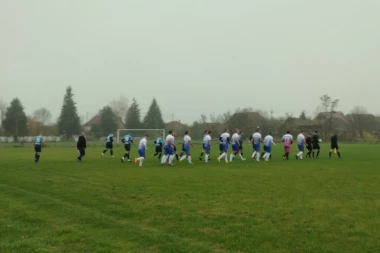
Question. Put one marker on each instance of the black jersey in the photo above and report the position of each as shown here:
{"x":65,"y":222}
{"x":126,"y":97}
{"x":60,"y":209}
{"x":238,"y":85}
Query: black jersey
{"x":315,"y":139}
{"x":308,"y":141}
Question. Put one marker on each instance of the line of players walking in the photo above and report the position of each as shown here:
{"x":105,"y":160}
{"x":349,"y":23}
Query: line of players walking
{"x":311,"y":142}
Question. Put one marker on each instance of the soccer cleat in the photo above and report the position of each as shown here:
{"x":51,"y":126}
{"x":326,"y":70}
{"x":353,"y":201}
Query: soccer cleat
{"x":218,"y":160}
{"x":297,"y":157}
{"x":243,"y":159}
{"x":227,"y":162}
{"x":200,"y":158}
{"x":101,"y":155}
{"x":140,"y":166}
{"x":78,"y":160}
{"x":129,"y":160}
{"x":122,"y":160}
{"x":112,"y":157}
{"x":135,"y":160}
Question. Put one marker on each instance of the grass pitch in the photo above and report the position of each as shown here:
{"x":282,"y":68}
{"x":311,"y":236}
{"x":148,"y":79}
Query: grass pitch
{"x":102,"y":205}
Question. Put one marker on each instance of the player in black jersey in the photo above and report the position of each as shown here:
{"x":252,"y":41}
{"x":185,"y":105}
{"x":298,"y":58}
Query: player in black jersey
{"x":316,"y":146}
{"x":309,"y":145}
{"x":334,"y":145}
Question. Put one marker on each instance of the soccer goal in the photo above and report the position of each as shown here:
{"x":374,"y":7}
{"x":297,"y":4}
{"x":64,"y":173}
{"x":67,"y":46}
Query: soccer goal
{"x":138,"y":134}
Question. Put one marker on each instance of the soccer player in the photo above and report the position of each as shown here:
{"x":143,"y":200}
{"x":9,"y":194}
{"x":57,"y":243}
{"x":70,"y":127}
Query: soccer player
{"x":309,"y":146}
{"x":207,"y":145}
{"x":81,"y":146}
{"x":109,"y":145}
{"x":316,"y":146}
{"x":158,"y":143}
{"x":334,"y":146}
{"x":141,"y":149}
{"x":168,"y":149}
{"x":301,"y":145}
{"x":235,"y":146}
{"x":241,"y":142}
{"x":287,"y":139}
{"x":256,"y":140}
{"x":268,"y":141}
{"x":186,"y":147}
{"x":175,"y":146}
{"x":203,"y":146}
{"x":127,"y":140}
{"x":38,"y":143}
{"x":224,"y":140}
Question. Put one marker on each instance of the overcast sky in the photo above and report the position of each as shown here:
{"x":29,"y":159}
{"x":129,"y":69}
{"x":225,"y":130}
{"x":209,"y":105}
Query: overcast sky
{"x":194,"y":56}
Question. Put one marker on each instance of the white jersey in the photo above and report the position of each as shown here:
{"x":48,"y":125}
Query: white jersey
{"x":169,"y":137}
{"x":204,"y":139}
{"x":268,"y":140}
{"x":207,"y":139}
{"x":224,"y":137}
{"x":186,"y":140}
{"x":235,"y":139}
{"x":142,"y":144}
{"x":287,"y":139}
{"x":256,"y":137}
{"x":300,"y":139}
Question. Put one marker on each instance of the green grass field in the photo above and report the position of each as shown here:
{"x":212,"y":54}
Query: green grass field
{"x":102,"y":205}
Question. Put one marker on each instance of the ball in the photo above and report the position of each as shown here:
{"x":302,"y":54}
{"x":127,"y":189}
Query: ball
{"x":320,"y":140}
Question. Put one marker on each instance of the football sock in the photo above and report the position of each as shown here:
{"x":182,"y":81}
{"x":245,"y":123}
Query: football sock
{"x":206,"y":158}
{"x":177,"y":157}
{"x":189,"y":159}
{"x":339,"y":155}
{"x":253,"y":154}
{"x":183,"y":158}
{"x":313,"y":154}
{"x":171,"y":158}
{"x":231,"y":157}
{"x":318,"y":153}
{"x":164,"y":158}
{"x":159,"y":155}
{"x":104,"y":151}
{"x":155,"y":154}
{"x":241,"y":157}
{"x":330,"y":154}
{"x":180,"y":155}
{"x":111,"y":151}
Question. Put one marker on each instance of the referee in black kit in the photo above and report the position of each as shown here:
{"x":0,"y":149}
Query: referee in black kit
{"x":81,"y":146}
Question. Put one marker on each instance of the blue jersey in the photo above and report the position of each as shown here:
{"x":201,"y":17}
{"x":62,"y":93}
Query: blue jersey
{"x":109,"y":138}
{"x":158,"y":142}
{"x":127,"y":139}
{"x":38,"y":140}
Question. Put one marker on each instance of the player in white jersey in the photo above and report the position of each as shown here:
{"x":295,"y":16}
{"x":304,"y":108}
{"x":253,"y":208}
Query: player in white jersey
{"x":224,"y":140}
{"x":186,"y":147}
{"x":287,"y":139}
{"x":203,"y":145}
{"x":168,"y":149}
{"x":301,"y":145}
{"x":256,"y":141}
{"x":236,"y":146}
{"x":207,"y":145}
{"x":268,"y":142}
{"x":141,"y":149}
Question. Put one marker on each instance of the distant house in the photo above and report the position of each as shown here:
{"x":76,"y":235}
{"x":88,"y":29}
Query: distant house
{"x":247,"y":122}
{"x":175,"y":125}
{"x":339,"y":121}
{"x":294,"y":125}
{"x":94,"y":121}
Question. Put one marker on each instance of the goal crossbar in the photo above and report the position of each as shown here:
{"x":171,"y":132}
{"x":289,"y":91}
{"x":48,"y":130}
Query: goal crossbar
{"x":141,"y":130}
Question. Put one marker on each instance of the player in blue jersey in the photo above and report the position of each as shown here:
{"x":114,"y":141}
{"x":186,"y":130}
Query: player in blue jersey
{"x":256,"y":141}
{"x":224,"y":140}
{"x":159,"y":142}
{"x":207,"y":145}
{"x":109,"y":145}
{"x":203,"y":145}
{"x":127,"y":140}
{"x":38,"y":143}
{"x":301,"y":145}
{"x":235,"y":146}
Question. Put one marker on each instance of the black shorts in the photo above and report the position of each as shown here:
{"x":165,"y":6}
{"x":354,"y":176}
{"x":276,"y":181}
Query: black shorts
{"x":82,"y":151}
{"x":109,"y":145}
{"x":316,"y":146}
{"x":241,"y":146}
{"x":158,"y":149}
{"x":309,"y":147}
{"x":127,"y":147}
{"x":37,"y":148}
{"x":334,"y":146}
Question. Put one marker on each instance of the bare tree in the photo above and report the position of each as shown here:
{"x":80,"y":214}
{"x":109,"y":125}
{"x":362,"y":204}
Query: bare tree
{"x":3,"y":108}
{"x":361,"y":121}
{"x":43,"y":115}
{"x":203,"y":119}
{"x":326,"y":114}
{"x":120,"y":107}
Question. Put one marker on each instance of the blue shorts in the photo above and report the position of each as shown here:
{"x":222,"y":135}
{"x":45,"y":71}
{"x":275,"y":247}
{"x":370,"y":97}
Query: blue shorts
{"x":256,"y":146}
{"x":37,"y":148}
{"x":127,"y":147}
{"x":267,"y":149}
{"x":109,"y":145}
{"x":141,"y":152}
{"x":221,"y":147}
{"x":207,"y":149}
{"x":301,"y":147}
{"x":168,"y":150}
{"x":158,"y":149}
{"x":225,"y":147}
{"x":186,"y":149}
{"x":203,"y":146}
{"x":235,"y":147}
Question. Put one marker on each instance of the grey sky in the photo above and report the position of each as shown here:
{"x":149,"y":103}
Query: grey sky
{"x":194,"y":56}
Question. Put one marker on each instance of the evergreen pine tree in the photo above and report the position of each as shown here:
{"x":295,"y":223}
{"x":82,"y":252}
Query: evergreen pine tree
{"x":68,"y":121}
{"x":108,"y":122}
{"x":15,"y":120}
{"x":133,"y":117}
{"x":153,"y":118}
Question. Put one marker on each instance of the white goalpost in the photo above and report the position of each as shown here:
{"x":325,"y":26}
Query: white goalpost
{"x":139,"y":133}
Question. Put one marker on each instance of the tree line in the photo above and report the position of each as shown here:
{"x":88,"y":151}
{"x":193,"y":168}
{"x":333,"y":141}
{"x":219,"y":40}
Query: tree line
{"x":118,"y":114}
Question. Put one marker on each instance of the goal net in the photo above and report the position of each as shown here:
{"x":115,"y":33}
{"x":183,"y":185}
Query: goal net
{"x":138,"y":134}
